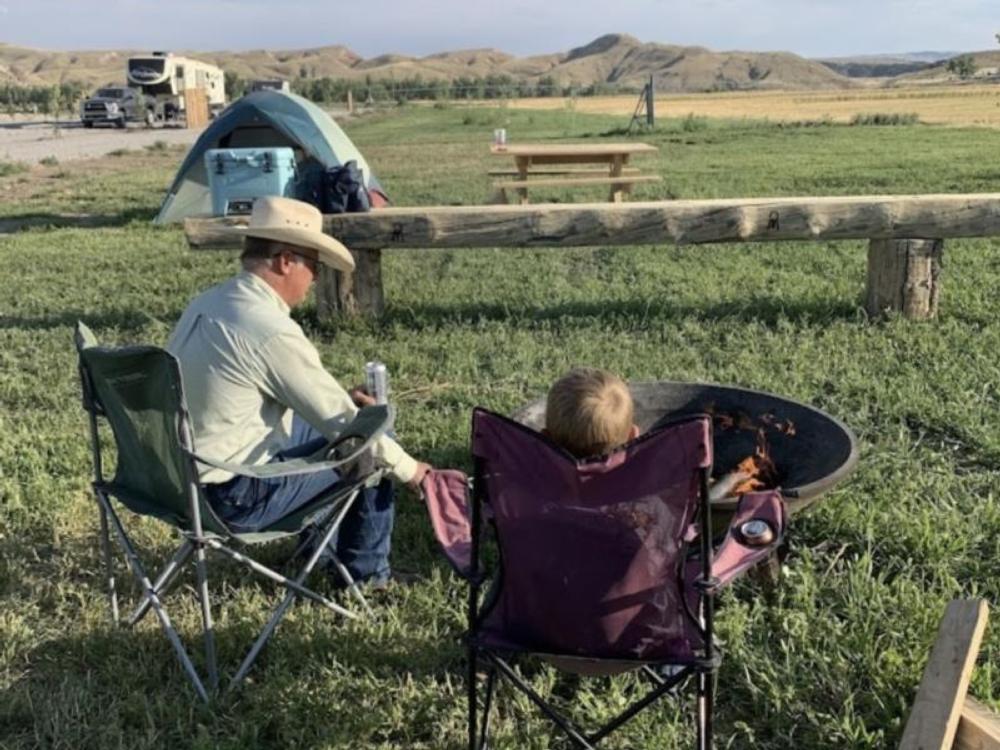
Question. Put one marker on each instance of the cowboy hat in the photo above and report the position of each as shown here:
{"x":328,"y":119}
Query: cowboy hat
{"x":296,"y":223}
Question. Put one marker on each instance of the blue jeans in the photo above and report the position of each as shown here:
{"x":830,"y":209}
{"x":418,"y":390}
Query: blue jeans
{"x":363,"y":540}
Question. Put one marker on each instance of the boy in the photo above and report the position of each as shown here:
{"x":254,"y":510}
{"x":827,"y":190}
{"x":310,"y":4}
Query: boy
{"x":589,"y":412}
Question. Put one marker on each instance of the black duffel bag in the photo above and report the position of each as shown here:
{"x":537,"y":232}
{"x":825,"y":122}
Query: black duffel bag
{"x":343,"y":190}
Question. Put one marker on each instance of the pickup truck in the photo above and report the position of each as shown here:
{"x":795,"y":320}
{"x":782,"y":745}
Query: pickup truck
{"x":112,"y":105}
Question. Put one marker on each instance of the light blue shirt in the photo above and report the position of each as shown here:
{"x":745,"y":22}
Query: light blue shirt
{"x":247,"y":368}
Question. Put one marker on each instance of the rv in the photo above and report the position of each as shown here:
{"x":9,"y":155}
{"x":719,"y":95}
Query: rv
{"x":263,"y":84}
{"x":163,"y":78}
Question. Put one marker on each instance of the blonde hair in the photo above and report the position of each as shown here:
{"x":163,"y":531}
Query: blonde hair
{"x":589,"y":412}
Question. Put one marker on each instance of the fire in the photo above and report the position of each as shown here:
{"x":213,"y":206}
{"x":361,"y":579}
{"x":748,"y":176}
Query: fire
{"x":756,"y":471}
{"x":759,"y":469}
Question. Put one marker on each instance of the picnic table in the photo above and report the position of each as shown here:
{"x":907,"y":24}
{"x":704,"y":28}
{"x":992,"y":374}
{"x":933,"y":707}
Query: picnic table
{"x":560,"y":167}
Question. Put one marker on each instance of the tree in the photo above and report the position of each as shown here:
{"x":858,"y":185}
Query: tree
{"x":235,"y":86}
{"x":963,"y":66}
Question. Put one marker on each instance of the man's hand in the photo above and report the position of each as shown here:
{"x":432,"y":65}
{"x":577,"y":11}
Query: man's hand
{"x":360,"y":396}
{"x":422,"y":469}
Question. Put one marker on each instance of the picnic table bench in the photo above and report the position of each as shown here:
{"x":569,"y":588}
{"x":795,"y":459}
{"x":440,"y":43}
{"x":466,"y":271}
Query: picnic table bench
{"x":528,"y":156}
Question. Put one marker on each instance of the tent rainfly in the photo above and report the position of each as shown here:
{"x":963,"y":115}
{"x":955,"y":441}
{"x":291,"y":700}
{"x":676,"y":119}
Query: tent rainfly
{"x":265,"y":119}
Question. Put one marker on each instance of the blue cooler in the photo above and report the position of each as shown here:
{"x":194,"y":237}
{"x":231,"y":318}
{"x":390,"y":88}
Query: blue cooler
{"x":238,"y":175}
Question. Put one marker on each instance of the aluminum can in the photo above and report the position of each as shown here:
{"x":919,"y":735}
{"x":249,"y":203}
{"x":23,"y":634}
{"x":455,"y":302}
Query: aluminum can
{"x":377,"y":381}
{"x":757,"y":532}
{"x":500,"y":137}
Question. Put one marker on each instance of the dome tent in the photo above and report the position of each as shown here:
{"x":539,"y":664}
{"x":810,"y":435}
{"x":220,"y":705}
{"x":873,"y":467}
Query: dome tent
{"x":264,"y":119}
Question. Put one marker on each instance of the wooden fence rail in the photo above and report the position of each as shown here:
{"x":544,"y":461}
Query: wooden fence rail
{"x":905,"y":233}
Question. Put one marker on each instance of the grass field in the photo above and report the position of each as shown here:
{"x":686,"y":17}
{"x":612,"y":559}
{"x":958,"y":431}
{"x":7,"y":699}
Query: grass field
{"x":961,"y":105}
{"x":831,"y":660}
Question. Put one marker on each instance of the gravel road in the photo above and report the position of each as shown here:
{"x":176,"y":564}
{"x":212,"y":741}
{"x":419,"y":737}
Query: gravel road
{"x":30,"y":142}
{"x":25,"y":140}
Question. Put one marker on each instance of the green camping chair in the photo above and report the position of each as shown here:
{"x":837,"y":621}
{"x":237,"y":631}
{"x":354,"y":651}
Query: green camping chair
{"x":138,"y":391}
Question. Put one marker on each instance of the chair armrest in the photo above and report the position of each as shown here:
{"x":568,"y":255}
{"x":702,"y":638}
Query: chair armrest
{"x":83,"y":337}
{"x":737,"y":553}
{"x":368,"y":425}
{"x":445,"y":491}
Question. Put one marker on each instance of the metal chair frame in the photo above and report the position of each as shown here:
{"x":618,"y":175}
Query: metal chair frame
{"x":195,"y":543}
{"x":704,"y":668}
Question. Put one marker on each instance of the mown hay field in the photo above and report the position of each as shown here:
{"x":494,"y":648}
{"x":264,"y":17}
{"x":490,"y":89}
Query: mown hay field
{"x":831,"y":658}
{"x":977,"y":105}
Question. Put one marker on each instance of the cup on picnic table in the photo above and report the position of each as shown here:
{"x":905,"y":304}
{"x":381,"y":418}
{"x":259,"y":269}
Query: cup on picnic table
{"x":500,"y":137}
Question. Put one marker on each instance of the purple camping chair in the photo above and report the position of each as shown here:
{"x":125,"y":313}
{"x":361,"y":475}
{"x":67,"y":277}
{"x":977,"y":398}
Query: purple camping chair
{"x":606,"y":564}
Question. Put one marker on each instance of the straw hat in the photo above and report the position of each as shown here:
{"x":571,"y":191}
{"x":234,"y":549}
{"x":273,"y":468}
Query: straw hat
{"x":299,"y":224}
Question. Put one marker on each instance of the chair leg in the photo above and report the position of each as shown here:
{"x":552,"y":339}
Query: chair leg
{"x":571,"y":731}
{"x":295,"y":588}
{"x":472,"y":697}
{"x":704,"y":711}
{"x":206,"y":616}
{"x":484,"y":737}
{"x":109,"y":571}
{"x":288,"y":583}
{"x":351,"y":584}
{"x":164,"y":580}
{"x":345,"y":574}
{"x":154,"y":600}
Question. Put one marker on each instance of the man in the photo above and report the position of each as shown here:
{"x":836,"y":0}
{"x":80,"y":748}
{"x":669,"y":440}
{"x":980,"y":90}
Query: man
{"x":258,"y":392}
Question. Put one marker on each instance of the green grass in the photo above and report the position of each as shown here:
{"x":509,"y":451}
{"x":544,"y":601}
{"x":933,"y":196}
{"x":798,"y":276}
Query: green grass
{"x":832,"y":659}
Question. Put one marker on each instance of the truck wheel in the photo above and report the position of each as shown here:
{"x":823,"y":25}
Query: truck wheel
{"x":120,"y":123}
{"x":88,"y":123}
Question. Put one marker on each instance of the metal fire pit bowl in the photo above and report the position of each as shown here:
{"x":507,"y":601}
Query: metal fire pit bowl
{"x":822,"y":452}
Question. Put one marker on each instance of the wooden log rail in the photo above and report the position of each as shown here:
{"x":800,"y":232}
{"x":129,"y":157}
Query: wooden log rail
{"x":905,"y":233}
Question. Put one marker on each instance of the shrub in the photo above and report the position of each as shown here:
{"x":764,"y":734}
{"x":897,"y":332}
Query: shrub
{"x":48,"y":161}
{"x":885,"y":118}
{"x":692,"y":123}
{"x":12,"y":167}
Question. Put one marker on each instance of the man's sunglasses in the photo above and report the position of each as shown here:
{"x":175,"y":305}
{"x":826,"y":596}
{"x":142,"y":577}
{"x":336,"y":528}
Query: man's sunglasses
{"x":309,"y":262}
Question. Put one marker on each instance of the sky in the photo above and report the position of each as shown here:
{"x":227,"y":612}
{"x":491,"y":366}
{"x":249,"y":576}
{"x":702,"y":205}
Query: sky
{"x":811,"y":28}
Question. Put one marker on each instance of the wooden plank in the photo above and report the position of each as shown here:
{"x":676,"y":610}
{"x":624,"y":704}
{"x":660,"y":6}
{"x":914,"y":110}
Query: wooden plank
{"x":195,"y":108}
{"x":652,"y":223}
{"x":534,"y":150}
{"x":560,"y":172}
{"x":941,"y":695}
{"x":595,"y":158}
{"x":576,"y":181}
{"x":978,"y":727}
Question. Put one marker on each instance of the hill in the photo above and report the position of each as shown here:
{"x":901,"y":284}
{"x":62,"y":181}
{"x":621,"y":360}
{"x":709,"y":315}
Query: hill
{"x":612,"y":58}
{"x":987,"y":67}
{"x":883,"y":66}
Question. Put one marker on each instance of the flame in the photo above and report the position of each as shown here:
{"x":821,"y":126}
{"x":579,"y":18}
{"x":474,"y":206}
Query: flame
{"x":759,"y":467}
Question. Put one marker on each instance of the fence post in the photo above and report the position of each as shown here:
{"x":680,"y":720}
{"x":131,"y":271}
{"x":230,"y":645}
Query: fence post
{"x":650,"y":107}
{"x":904,"y":276}
{"x":357,"y":293}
